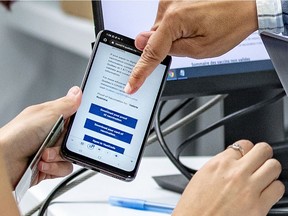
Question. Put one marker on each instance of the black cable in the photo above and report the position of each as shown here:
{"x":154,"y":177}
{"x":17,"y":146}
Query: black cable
{"x":164,"y":146}
{"x":225,"y":120}
{"x":188,"y":118}
{"x":186,"y":171}
{"x":54,"y":192}
{"x":277,"y":211}
{"x":176,"y":109}
{"x":61,"y":191}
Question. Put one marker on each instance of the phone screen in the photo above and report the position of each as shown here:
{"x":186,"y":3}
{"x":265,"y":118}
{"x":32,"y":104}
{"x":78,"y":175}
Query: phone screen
{"x":110,"y":128}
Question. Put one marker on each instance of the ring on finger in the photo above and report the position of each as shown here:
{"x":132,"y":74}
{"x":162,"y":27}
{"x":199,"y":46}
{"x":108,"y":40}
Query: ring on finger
{"x":237,"y":147}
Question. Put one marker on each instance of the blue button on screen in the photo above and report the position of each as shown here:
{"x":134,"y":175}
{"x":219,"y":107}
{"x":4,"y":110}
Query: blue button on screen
{"x":108,"y":131}
{"x":104,"y":144}
{"x":113,"y":116}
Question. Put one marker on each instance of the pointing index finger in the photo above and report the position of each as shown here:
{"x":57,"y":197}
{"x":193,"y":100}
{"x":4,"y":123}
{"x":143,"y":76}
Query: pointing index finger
{"x":157,"y":48}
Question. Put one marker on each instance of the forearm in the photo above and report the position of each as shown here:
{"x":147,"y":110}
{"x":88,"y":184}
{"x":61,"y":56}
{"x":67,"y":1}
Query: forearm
{"x":7,"y":202}
{"x":10,"y":155}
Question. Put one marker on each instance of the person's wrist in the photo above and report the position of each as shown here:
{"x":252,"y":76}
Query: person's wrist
{"x":2,"y":148}
{"x":250,"y":15}
{"x":3,"y":144}
{"x":7,"y":155}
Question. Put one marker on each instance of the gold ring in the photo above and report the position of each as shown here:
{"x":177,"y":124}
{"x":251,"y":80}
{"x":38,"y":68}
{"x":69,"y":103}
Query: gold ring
{"x":237,"y":147}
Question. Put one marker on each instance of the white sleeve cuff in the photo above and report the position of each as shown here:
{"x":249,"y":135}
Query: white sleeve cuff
{"x":270,"y":16}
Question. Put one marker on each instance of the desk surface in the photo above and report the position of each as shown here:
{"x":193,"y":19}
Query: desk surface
{"x":92,"y":195}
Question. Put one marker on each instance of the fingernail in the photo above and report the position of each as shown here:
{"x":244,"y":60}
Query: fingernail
{"x":73,"y":91}
{"x":45,"y":167}
{"x":128,"y":88}
{"x":142,"y":42}
{"x":51,"y":154}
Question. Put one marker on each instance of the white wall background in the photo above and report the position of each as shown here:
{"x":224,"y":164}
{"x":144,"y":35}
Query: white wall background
{"x":32,"y":70}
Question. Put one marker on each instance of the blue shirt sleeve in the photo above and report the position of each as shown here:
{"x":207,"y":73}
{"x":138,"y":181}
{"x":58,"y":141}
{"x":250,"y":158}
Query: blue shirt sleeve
{"x":285,"y":15}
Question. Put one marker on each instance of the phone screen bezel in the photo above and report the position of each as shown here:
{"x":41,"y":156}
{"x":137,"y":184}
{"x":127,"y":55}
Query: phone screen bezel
{"x":94,"y":164}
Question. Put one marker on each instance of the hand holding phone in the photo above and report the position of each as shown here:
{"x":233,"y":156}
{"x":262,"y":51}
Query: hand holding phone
{"x":32,"y":171}
{"x":110,"y":128}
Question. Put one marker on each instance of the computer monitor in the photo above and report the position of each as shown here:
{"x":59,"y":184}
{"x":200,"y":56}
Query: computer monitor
{"x":245,"y":67}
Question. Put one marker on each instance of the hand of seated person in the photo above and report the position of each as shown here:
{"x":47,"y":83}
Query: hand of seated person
{"x":232,"y":184}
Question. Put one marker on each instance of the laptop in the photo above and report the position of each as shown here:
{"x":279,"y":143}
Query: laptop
{"x":277,"y":48}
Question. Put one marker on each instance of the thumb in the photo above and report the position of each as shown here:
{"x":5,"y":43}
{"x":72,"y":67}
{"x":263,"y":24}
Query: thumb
{"x":141,"y":39}
{"x":69,"y":104}
{"x":156,"y":49}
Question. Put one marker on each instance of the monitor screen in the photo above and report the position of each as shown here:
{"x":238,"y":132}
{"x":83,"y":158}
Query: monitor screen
{"x":247,"y":66}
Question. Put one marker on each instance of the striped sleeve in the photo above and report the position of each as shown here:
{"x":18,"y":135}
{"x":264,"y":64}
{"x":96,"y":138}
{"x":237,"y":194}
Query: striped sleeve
{"x":285,"y":15}
{"x":270,"y":15}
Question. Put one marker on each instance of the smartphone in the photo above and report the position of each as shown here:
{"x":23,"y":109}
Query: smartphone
{"x":110,"y":128}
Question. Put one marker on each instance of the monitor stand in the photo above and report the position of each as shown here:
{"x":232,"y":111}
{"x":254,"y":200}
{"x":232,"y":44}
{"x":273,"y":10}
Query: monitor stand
{"x":266,"y":124}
